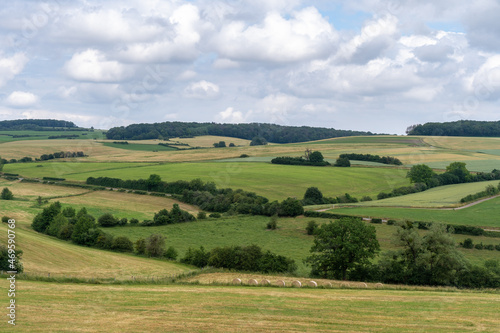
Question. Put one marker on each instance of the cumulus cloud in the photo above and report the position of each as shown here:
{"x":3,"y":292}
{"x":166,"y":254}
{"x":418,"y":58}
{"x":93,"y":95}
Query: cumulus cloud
{"x":11,"y":66}
{"x":21,"y":99}
{"x":231,"y":116}
{"x":202,"y":90}
{"x":92,"y":65}
{"x":306,"y":35}
{"x":485,"y":82}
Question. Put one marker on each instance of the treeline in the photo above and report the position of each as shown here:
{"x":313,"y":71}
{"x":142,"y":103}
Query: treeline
{"x":45,"y":157}
{"x":297,"y":161}
{"x":37,"y":125}
{"x":242,"y":258}
{"x":424,"y":178}
{"x":488,"y":192}
{"x":372,"y":158}
{"x":270,"y":132}
{"x":206,"y":196}
{"x":457,"y":128}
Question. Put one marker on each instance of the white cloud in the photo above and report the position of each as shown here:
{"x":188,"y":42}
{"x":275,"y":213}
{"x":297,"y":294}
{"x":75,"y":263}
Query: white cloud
{"x":202,"y":90}
{"x":231,"y":116}
{"x":305,"y":35}
{"x":11,"y":66}
{"x":92,"y":65}
{"x":21,"y":99}
{"x":485,"y":82}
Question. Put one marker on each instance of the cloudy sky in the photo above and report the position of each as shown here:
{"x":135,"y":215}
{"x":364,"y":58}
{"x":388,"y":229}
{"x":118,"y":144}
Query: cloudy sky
{"x":368,"y":65}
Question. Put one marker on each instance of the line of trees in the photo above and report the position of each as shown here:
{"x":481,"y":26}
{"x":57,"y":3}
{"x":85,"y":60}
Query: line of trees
{"x":267,"y":132}
{"x":36,"y":125}
{"x":423,"y":178}
{"x":45,"y":157}
{"x":457,"y":128}
{"x":206,"y":196}
{"x":488,"y":192}
{"x":372,"y":158}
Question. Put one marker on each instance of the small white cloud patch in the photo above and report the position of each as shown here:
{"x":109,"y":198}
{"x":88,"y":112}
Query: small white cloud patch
{"x":21,"y":99}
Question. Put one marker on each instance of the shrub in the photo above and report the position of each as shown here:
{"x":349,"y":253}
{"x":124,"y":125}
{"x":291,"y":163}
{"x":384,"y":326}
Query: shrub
{"x":489,"y":247}
{"x":155,"y":245}
{"x":6,"y":194}
{"x":122,"y":222}
{"x":342,"y":162}
{"x":171,"y":253}
{"x":468,"y":244}
{"x":311,"y":227}
{"x":273,"y":223}
{"x":140,"y":246}
{"x":376,"y":220}
{"x":479,"y":246}
{"x":122,"y":244}
{"x":366,"y":198}
{"x":5,"y":219}
{"x":201,"y":216}
{"x":104,"y":241}
{"x":107,"y":220}
{"x":215,"y":215}
{"x":244,"y":156}
{"x":391,"y":222}
{"x":134,"y":221}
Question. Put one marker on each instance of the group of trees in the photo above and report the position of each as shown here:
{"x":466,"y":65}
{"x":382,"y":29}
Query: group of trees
{"x":242,"y":258}
{"x":457,"y":128}
{"x":46,"y":157}
{"x":313,"y":158}
{"x":258,"y":133}
{"x":36,"y":125}
{"x":344,"y":249}
{"x":372,"y":158}
{"x":313,"y":196}
{"x":207,"y":196}
{"x":423,"y":178}
{"x":222,"y":144}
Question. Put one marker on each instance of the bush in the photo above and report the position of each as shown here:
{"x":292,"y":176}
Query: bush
{"x":140,"y":246}
{"x":134,"y":221}
{"x":171,"y":253}
{"x":107,"y":220}
{"x":201,"y":216}
{"x":342,"y":162}
{"x":290,"y":207}
{"x":489,"y":247}
{"x":366,"y":198}
{"x":376,"y":220}
{"x":5,"y":219}
{"x":122,"y":222}
{"x":244,"y":156}
{"x":468,"y":244}
{"x":215,"y":215}
{"x":273,"y":223}
{"x":479,"y":246}
{"x":6,"y":194}
{"x":155,"y":245}
{"x":391,"y":222}
{"x":311,"y":227}
{"x":122,"y":244}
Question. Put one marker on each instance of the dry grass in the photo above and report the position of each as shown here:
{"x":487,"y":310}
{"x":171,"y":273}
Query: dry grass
{"x":32,"y":190}
{"x":209,"y":140}
{"x":49,"y":307}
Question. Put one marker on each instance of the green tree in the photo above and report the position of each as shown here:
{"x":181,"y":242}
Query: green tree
{"x":420,"y":173}
{"x":140,"y":246}
{"x":153,"y":182}
{"x":342,"y":162}
{"x":85,"y":231}
{"x":6,"y":194}
{"x":56,"y":224}
{"x":171,"y":253}
{"x":316,"y":157}
{"x":313,"y":196}
{"x":341,"y":246}
{"x":458,"y":169}
{"x":290,"y":207}
{"x":122,"y":244}
{"x":258,"y":141}
{"x":107,"y":220}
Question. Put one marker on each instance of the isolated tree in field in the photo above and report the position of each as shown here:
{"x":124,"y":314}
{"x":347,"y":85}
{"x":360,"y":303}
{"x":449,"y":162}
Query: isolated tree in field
{"x":155,"y":245}
{"x":420,"y":173}
{"x":341,"y":246}
{"x":316,"y":157}
{"x":313,"y":196}
{"x":6,"y":194}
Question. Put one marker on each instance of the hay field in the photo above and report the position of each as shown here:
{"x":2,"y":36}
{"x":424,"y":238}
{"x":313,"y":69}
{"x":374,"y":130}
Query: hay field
{"x":85,"y":308}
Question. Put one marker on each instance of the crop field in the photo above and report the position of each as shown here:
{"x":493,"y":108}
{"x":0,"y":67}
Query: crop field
{"x":137,"y":146}
{"x":69,"y":307}
{"x":272,"y":181}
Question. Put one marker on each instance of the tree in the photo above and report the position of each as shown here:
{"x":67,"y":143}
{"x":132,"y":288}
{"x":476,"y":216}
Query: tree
{"x":313,"y":196}
{"x":85,"y":231}
{"x":420,"y":173}
{"x":107,"y":220}
{"x":153,"y":182}
{"x":273,"y":223}
{"x":290,"y":207}
{"x":258,"y":141}
{"x":458,"y":169}
{"x":140,"y":246}
{"x":343,"y":162}
{"x":122,"y":244}
{"x":341,"y":246}
{"x":56,"y":224}
{"x":316,"y":157}
{"x":6,"y":194}
{"x":155,"y":245}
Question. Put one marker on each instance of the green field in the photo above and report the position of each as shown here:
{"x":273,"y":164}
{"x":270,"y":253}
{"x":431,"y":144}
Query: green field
{"x":276,"y":182}
{"x":83,"y":308}
{"x":6,"y":136}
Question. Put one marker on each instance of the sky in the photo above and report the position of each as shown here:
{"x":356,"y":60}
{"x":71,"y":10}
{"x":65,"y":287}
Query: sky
{"x":367,"y":65}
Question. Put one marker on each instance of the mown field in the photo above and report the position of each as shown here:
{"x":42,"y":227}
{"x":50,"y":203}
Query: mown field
{"x":189,"y":308}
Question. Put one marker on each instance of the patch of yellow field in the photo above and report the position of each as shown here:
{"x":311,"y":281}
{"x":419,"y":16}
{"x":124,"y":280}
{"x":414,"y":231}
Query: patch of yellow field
{"x":33,"y":190}
{"x":209,"y":140}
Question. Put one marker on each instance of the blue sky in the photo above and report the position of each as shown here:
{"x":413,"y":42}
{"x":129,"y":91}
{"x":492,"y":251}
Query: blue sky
{"x":369,"y":65}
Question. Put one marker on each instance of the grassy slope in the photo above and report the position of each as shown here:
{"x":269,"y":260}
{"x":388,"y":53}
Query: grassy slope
{"x":82,"y":308}
{"x":276,"y":182}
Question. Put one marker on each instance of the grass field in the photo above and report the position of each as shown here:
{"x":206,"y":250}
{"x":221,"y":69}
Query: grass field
{"x":276,"y":182}
{"x":84,"y":308}
{"x":441,"y":196}
{"x":137,"y":146}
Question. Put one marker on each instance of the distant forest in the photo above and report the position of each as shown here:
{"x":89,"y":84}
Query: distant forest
{"x":457,"y":128}
{"x":36,"y":125}
{"x":270,"y":132}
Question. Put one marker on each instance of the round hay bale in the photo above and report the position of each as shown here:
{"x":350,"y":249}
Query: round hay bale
{"x":329,"y":285}
{"x":379,"y":285}
{"x":297,"y":284}
{"x":312,"y":284}
{"x":344,"y":285}
{"x":236,"y":281}
{"x":253,"y":282}
{"x":281,"y":283}
{"x":364,"y":285}
{"x":265,"y":282}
